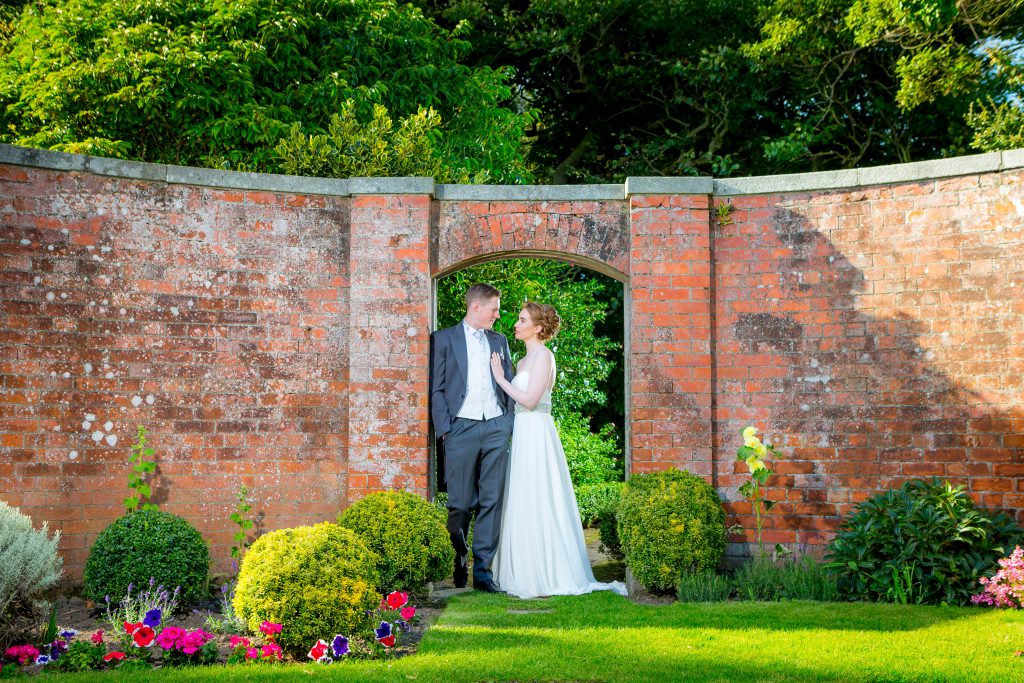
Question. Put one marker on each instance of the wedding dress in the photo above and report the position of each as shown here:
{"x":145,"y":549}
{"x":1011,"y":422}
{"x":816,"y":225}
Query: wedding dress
{"x":541,"y":549}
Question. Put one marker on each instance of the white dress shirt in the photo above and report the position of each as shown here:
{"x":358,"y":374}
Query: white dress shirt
{"x":481,"y":402}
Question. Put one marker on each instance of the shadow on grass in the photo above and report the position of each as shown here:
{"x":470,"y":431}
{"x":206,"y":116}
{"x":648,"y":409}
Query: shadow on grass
{"x":605,"y":610}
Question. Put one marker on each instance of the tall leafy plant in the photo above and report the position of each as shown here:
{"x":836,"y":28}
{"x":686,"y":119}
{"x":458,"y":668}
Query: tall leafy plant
{"x":923,"y":543}
{"x":138,"y":476}
{"x":753,"y":453}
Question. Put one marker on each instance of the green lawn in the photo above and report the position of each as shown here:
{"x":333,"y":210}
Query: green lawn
{"x":602,"y":637}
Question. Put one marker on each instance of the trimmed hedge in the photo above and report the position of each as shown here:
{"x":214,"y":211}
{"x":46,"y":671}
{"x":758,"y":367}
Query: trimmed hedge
{"x":316,"y":581}
{"x":409,"y":536}
{"x":144,"y":545}
{"x":671,"y":523}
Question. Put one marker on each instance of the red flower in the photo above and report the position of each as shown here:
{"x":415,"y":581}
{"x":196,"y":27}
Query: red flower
{"x":97,"y":637}
{"x":397,"y":600}
{"x":408,"y":613}
{"x":318,"y":650}
{"x":143,"y":636}
{"x":130,"y":627}
{"x":113,"y":656}
{"x":387,"y":641}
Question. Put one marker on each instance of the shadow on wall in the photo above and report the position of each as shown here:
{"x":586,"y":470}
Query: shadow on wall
{"x":861,"y":374}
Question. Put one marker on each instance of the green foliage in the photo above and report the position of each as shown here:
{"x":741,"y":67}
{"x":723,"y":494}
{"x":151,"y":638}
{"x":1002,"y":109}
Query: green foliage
{"x":924,"y":543}
{"x":244,"y":523}
{"x":752,"y":454}
{"x":29,"y":562}
{"x":592,"y":458}
{"x":140,"y":468}
{"x":608,"y":532}
{"x":81,"y":655}
{"x":706,"y":586}
{"x":670,"y":523}
{"x":143,"y":546}
{"x":315,"y":580}
{"x":214,"y":83}
{"x":409,"y":536}
{"x":581,"y":299}
{"x":766,"y":579}
{"x":598,"y":501}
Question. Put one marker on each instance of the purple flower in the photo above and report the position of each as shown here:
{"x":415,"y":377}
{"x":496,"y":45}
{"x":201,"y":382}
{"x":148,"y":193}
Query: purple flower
{"x":402,"y":626}
{"x":152,"y":618}
{"x":43,"y":659}
{"x":68,"y":633}
{"x":383,"y":631}
{"x":339,"y":646}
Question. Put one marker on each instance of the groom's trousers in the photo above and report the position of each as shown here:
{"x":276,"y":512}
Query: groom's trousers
{"x":476,"y":461}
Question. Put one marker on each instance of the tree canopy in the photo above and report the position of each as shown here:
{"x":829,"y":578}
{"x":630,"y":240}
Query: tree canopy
{"x":221,"y":82}
{"x":513,"y":91}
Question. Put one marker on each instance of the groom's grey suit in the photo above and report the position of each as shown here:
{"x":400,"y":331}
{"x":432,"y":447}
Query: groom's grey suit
{"x":476,"y":450}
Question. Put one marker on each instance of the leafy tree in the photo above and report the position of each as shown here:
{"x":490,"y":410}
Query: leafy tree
{"x":220,"y":82}
{"x":631,"y":87}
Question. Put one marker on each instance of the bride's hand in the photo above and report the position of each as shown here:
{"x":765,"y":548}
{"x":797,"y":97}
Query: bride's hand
{"x":496,"y":368}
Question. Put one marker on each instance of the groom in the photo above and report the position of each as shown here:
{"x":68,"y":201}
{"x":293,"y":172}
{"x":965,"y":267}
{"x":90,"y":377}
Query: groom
{"x":473,"y":417}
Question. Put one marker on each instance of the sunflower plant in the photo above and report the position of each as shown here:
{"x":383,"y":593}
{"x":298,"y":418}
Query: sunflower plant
{"x":753,"y":453}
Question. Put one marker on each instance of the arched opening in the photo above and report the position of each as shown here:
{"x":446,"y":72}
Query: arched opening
{"x":590,"y":399}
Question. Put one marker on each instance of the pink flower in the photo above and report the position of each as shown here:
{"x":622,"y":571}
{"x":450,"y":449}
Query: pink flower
{"x":194,"y":640}
{"x":170,"y":637}
{"x":113,"y":656}
{"x":22,"y":653}
{"x":271,"y":651}
{"x":240,"y":640}
{"x":1006,"y":588}
{"x":397,"y":600}
{"x":269,"y":628}
{"x":143,"y":636}
{"x":97,"y":637}
{"x":252,"y":653}
{"x":408,"y":613}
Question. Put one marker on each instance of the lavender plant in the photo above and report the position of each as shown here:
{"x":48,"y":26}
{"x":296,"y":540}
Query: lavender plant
{"x":156,"y":604}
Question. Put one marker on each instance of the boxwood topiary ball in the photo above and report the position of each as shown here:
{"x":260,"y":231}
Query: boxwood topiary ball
{"x":670,"y":523}
{"x":144,"y":545}
{"x":316,"y":581}
{"x":409,"y":535}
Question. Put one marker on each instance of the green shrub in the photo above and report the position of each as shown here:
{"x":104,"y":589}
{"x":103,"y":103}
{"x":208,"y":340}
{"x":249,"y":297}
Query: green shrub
{"x":706,"y":586}
{"x":81,"y":656}
{"x":144,"y":545}
{"x":317,"y":581}
{"x":671,"y":523}
{"x":596,"y":501}
{"x":29,"y":563}
{"x":591,"y":457}
{"x":768,"y":580}
{"x":923,"y":543}
{"x":608,"y":530}
{"x":409,"y":536}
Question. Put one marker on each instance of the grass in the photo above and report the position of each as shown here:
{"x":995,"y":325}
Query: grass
{"x":602,"y":637}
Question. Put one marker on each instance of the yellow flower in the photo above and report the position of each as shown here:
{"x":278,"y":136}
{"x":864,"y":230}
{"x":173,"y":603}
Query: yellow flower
{"x":760,"y":449}
{"x":754,"y":464}
{"x":749,"y":433}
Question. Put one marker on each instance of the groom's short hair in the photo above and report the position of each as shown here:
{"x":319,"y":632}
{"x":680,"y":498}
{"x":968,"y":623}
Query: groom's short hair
{"x":481,"y":292}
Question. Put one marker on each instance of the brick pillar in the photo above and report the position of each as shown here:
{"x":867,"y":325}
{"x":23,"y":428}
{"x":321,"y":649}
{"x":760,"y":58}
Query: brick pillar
{"x":389,"y":335}
{"x":670,"y":328}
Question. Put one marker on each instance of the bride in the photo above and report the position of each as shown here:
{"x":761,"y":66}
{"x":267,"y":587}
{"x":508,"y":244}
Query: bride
{"x":540,"y":548}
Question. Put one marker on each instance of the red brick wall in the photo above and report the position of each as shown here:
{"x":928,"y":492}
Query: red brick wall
{"x":875,"y":335}
{"x":280,"y":339}
{"x":212,"y":317}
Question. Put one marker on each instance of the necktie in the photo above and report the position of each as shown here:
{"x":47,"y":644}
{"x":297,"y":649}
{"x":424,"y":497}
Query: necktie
{"x":482,"y":340}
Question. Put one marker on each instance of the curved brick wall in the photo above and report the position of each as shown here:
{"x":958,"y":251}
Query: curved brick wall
{"x":272,"y":330}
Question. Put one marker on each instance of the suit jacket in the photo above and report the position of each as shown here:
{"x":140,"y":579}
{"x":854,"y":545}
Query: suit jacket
{"x":449,"y":368}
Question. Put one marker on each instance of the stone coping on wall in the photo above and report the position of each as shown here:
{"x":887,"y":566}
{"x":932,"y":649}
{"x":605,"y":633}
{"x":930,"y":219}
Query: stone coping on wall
{"x":794,"y":182}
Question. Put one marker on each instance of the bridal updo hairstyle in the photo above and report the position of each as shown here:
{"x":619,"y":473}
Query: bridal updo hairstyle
{"x":545,"y":316}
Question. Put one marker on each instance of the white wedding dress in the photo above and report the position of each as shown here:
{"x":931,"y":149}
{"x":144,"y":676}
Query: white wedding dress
{"x":541,"y":549}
